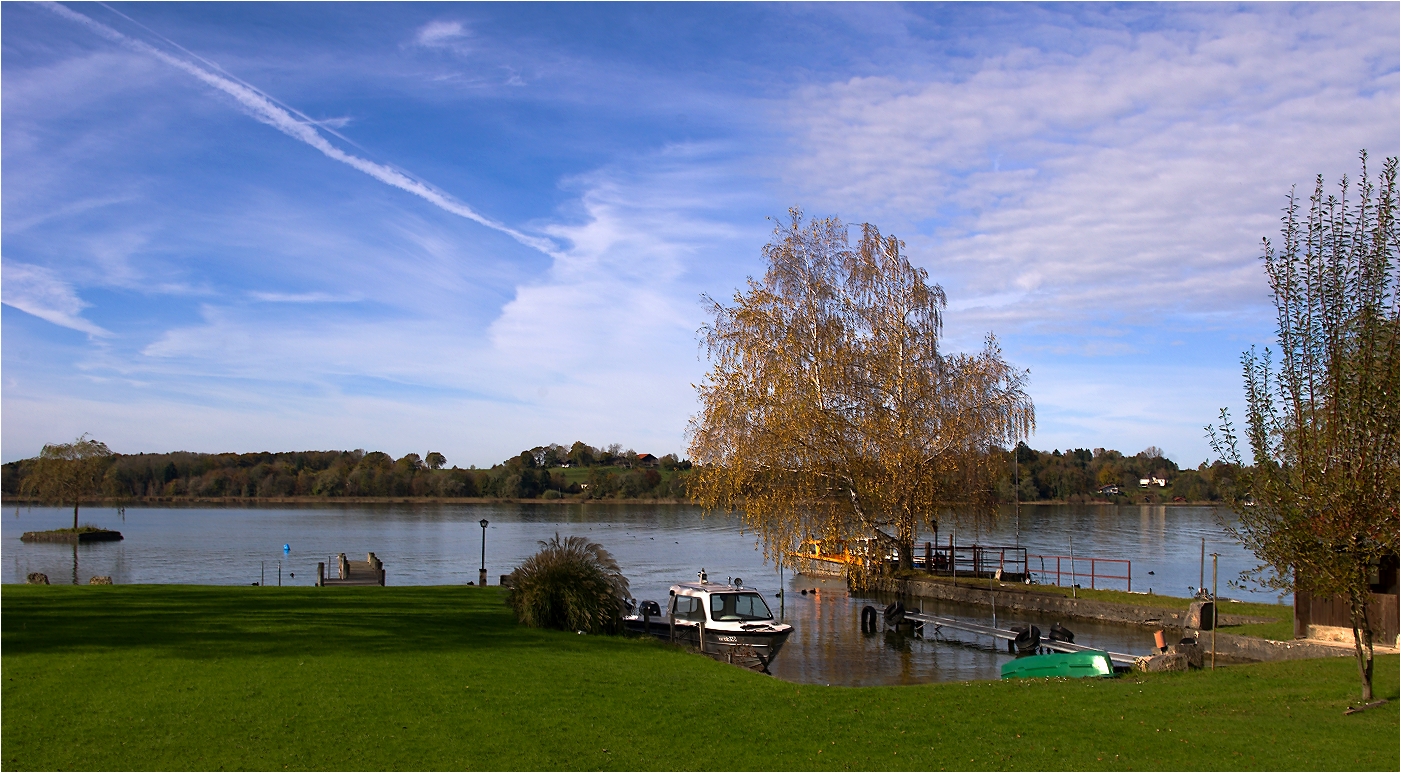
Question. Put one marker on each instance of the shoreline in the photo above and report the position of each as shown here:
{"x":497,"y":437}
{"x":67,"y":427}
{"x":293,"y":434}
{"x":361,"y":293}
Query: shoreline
{"x":315,"y":500}
{"x":407,"y":500}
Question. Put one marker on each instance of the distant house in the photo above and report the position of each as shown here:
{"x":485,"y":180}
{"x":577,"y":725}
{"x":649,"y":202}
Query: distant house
{"x":1109,"y":490}
{"x":646,"y":460}
{"x":1146,"y":482}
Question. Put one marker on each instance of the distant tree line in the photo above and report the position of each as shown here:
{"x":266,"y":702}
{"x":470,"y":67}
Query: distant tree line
{"x":548,"y":472}
{"x":581,"y":471}
{"x":1083,"y":475}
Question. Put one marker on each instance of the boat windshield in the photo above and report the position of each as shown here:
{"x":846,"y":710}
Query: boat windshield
{"x":738,"y":606}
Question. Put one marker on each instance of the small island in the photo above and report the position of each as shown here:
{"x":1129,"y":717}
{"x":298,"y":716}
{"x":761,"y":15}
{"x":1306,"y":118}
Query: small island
{"x":72,"y":536}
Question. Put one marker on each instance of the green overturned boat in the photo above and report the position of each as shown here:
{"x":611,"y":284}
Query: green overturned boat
{"x":1070,"y":664}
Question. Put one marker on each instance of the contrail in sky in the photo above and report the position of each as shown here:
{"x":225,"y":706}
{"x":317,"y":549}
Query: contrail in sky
{"x":264,"y":109}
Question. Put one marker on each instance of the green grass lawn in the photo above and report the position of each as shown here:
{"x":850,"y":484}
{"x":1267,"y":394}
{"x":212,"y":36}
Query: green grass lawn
{"x":179,"y":677}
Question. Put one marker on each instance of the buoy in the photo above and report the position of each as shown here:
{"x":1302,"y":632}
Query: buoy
{"x":286,"y":548}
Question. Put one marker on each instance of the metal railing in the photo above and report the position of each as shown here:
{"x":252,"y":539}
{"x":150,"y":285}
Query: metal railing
{"x":1073,"y":569}
{"x":973,"y":560}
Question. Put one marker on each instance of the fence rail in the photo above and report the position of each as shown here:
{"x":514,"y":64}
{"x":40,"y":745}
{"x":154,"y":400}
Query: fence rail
{"x":1073,"y":568}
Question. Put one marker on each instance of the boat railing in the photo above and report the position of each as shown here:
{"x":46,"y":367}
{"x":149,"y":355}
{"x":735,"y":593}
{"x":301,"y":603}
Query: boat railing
{"x":1073,"y":569}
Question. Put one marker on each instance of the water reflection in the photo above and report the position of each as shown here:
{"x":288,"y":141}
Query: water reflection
{"x":657,"y":546}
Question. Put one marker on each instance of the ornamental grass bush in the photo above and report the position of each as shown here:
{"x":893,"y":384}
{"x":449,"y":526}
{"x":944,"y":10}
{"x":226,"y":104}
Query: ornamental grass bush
{"x":572,"y":584}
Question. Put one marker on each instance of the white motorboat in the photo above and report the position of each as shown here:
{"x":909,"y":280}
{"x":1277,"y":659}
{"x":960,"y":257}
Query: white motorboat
{"x":726,"y":621}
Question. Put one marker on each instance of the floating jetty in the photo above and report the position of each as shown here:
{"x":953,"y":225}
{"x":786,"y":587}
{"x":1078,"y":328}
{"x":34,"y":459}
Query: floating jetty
{"x":1010,"y":635}
{"x":1026,"y":639}
{"x":347,"y":572}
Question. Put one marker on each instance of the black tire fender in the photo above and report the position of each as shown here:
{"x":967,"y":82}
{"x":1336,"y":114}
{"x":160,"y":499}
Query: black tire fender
{"x":868,"y":619}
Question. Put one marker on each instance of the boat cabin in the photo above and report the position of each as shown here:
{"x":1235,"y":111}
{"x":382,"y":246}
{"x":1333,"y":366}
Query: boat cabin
{"x":715,"y":604}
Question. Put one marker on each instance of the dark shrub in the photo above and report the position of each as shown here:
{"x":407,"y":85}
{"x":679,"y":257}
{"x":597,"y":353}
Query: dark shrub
{"x":572,"y":584}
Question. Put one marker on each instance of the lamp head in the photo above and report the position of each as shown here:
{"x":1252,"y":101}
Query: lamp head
{"x":483,"y":523}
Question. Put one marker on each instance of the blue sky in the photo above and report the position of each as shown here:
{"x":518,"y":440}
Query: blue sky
{"x":478,"y":228}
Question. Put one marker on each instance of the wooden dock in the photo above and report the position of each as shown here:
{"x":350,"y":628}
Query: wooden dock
{"x":1006,"y":634}
{"x":342,"y":571}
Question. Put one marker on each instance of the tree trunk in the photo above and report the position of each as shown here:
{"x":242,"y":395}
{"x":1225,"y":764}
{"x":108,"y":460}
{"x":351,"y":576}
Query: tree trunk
{"x":907,"y":554}
{"x":1361,"y":628}
{"x":75,"y":515}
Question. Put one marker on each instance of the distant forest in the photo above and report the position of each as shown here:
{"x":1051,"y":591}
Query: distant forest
{"x":582,"y":472}
{"x":546,"y":472}
{"x":1099,"y":475}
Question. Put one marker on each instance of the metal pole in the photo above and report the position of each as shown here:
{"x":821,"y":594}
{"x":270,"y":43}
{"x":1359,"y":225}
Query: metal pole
{"x":279,"y":574}
{"x":782,"y":590}
{"x":262,"y":573}
{"x":1213,"y":611}
{"x":1201,"y":573}
{"x":481,"y":576}
{"x":1074,"y":591}
{"x":953,"y":558}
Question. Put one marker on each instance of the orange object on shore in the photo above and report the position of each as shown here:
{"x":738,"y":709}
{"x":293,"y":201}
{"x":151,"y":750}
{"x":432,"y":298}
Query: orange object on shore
{"x":1158,"y":639}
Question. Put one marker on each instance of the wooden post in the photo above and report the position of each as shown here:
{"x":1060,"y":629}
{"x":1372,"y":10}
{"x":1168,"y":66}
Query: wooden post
{"x":1213,"y":611}
{"x":320,"y":573}
{"x":929,"y":557}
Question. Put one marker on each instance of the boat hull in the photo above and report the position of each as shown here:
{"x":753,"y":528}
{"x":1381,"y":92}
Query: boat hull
{"x":1094,"y":663}
{"x":755,"y":649}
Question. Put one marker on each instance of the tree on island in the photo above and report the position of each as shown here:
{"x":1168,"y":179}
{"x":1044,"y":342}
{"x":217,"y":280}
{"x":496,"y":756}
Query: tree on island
{"x":1318,"y":504}
{"x":69,"y":473}
{"x":830,"y":412}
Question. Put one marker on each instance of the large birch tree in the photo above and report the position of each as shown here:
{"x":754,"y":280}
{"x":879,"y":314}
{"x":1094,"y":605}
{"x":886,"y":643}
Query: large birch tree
{"x":830,"y":412}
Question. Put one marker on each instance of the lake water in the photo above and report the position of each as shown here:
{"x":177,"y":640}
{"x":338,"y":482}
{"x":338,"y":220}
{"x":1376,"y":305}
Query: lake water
{"x":434,"y":544}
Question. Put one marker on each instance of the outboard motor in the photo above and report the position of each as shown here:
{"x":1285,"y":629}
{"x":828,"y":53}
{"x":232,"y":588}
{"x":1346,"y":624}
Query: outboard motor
{"x":629,"y":606}
{"x":650,"y":608}
{"x":1061,"y":633}
{"x":1027,"y":642}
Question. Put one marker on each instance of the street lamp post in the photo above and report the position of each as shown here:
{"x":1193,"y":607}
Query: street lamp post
{"x":481,"y":579}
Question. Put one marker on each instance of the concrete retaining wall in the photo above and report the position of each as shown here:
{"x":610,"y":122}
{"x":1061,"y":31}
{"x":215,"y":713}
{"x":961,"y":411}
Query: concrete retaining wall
{"x":1012,"y":597}
{"x":1170,"y":619}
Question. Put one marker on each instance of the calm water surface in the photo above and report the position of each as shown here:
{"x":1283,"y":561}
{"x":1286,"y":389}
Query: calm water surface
{"x":656,"y":546}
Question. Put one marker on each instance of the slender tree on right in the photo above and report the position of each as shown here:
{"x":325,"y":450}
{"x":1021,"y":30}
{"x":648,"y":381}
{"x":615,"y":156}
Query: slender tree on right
{"x":1317,"y":501}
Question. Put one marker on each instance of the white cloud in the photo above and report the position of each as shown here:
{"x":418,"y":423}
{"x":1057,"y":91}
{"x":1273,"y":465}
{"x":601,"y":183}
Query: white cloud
{"x":38,"y":291}
{"x":301,"y":128}
{"x":1135,"y":179}
{"x":437,"y":33}
{"x":312,"y":297}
